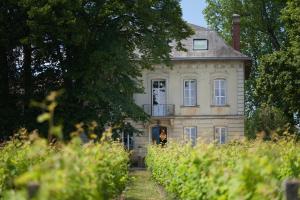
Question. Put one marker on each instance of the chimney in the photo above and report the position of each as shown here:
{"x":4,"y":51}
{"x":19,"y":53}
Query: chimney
{"x":236,"y":32}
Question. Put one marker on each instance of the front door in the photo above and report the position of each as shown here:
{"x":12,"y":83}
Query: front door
{"x":159,"y":97}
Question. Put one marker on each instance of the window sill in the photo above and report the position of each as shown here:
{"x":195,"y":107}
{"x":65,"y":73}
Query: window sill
{"x":219,"y":105}
{"x":196,"y":106}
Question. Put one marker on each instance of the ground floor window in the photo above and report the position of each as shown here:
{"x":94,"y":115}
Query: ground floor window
{"x":128,"y":141}
{"x":190,"y":134}
{"x":220,"y":135}
{"x":159,"y":135}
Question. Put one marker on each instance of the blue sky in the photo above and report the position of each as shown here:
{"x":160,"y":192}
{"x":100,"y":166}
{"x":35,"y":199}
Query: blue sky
{"x":192,"y":11}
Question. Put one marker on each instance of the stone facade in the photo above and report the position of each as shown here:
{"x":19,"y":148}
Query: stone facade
{"x":219,"y":61}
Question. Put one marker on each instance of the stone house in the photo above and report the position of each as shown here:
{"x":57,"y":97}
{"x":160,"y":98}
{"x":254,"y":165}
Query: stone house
{"x":200,"y":98}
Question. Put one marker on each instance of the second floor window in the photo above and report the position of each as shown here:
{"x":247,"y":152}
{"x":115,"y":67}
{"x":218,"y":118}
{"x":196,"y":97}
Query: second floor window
{"x":189,"y":95}
{"x":219,"y":92}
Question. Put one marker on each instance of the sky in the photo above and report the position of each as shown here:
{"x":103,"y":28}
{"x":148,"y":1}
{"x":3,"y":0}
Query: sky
{"x":192,"y":11}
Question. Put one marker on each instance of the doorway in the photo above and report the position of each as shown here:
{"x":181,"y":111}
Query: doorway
{"x":159,"y":135}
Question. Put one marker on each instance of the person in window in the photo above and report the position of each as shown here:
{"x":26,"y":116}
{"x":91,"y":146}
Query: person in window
{"x":163,"y":137}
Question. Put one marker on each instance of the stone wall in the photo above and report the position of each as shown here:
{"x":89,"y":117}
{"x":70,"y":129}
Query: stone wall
{"x":204,"y":72}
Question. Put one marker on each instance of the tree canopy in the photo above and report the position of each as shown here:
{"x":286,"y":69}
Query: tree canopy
{"x":279,"y":80}
{"x":261,"y":26}
{"x":92,"y":49}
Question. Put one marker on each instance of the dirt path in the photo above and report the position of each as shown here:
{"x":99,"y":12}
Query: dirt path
{"x":143,"y":187}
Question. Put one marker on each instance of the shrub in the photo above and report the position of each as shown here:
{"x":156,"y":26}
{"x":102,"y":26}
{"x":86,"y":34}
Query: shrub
{"x":74,"y":171}
{"x":248,"y":170}
{"x":32,"y":168}
{"x":19,"y":156}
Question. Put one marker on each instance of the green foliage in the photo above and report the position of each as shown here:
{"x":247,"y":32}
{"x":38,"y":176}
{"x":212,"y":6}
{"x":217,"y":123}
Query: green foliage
{"x":267,"y":119}
{"x":19,"y":156}
{"x":261,"y":27}
{"x":279,"y":82}
{"x":88,"y":48}
{"x":247,"y":170}
{"x":64,"y":171}
{"x":49,"y":105}
{"x":31,"y":167}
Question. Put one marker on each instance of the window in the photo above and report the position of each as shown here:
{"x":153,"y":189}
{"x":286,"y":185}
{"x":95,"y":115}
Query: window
{"x":190,"y":134}
{"x":220,"y":92}
{"x":200,"y":44}
{"x":220,"y":135}
{"x":127,"y":139}
{"x":189,"y":95}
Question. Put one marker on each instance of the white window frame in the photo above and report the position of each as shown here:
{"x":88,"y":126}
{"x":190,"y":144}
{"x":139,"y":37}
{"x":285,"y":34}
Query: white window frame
{"x":219,"y":99}
{"x":188,"y":134}
{"x":191,"y":100}
{"x":219,"y":131}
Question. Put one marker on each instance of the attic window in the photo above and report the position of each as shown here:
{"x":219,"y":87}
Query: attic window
{"x":200,"y":44}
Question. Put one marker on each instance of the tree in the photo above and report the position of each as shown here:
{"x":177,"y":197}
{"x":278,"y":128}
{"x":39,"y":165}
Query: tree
{"x":261,"y":27}
{"x":95,"y":50}
{"x":12,"y":30}
{"x":268,"y":120}
{"x":279,"y":81}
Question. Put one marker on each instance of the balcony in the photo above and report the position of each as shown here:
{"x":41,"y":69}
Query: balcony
{"x":159,"y":110}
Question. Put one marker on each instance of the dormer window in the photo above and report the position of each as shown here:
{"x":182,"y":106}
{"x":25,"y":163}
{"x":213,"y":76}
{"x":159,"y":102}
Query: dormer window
{"x":200,"y":44}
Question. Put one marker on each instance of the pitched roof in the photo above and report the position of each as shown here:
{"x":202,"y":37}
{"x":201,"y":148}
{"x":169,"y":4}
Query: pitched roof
{"x":217,"y":48}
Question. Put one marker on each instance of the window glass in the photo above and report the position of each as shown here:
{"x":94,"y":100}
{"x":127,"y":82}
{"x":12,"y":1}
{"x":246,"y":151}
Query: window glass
{"x":220,"y":135}
{"x":186,"y":93}
{"x":190,"y":134}
{"x":190,"y":92}
{"x":200,"y":44}
{"x":220,"y":92}
{"x":223,"y":136}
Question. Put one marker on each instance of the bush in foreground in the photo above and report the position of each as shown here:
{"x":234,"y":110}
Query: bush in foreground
{"x":64,"y":171}
{"x":248,"y":170}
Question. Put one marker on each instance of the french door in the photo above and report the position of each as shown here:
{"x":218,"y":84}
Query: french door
{"x":159,"y":97}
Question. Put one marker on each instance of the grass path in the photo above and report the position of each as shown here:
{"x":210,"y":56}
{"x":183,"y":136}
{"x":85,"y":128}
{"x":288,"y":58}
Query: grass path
{"x":143,"y":187}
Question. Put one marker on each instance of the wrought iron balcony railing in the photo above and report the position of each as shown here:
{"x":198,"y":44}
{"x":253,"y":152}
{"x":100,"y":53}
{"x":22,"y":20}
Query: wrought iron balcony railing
{"x":159,"y":110}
